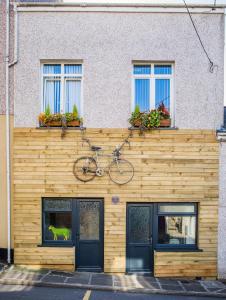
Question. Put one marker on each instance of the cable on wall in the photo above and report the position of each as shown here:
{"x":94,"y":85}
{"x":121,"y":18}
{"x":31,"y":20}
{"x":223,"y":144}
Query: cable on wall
{"x":212,"y":66}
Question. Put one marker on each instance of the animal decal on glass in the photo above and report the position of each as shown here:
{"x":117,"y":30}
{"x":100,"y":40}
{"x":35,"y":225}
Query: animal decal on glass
{"x":57,"y":232}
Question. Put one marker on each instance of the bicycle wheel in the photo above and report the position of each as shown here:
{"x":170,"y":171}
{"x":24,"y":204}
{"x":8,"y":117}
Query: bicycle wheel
{"x":84,"y":168}
{"x":121,"y":171}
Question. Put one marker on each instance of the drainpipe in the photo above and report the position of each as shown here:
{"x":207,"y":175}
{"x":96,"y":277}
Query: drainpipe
{"x":15,"y":50}
{"x":8,"y":131}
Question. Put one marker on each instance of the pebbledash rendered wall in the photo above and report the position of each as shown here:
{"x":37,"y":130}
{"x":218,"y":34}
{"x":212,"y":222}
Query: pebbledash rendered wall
{"x":108,"y":43}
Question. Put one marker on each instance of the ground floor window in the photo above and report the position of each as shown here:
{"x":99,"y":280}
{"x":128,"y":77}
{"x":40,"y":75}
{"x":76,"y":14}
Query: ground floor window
{"x":177,"y":225}
{"x":57,"y":221}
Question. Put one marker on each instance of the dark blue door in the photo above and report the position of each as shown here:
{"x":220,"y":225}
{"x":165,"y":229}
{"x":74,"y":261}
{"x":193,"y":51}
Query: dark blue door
{"x":89,"y":250}
{"x":139,"y":238}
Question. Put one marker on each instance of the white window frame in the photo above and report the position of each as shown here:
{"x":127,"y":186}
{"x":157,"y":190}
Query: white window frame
{"x":152,"y":78}
{"x":63,"y":77}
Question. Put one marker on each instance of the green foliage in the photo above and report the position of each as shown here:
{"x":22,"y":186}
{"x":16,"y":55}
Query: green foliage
{"x":151,"y":119}
{"x":52,"y":117}
{"x":75,"y":111}
{"x":47,"y":110}
{"x":154,"y":118}
{"x":136,"y":117}
{"x":137,"y":109}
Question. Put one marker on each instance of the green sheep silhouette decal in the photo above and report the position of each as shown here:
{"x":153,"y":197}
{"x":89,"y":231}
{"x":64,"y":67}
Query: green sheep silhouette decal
{"x":57,"y":232}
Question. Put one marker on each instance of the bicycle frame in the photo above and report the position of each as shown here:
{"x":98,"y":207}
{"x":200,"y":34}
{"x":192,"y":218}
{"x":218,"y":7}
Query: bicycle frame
{"x":115,"y":154}
{"x":97,"y":155}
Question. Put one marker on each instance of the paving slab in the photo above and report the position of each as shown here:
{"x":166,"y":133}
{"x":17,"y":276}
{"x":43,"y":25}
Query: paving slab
{"x":60,"y":273}
{"x":193,"y":287}
{"x":169,"y":287}
{"x":77,"y":280}
{"x":223,"y":291}
{"x":168,"y":281}
{"x":212,"y":284}
{"x":101,"y":279}
{"x":53,"y":278}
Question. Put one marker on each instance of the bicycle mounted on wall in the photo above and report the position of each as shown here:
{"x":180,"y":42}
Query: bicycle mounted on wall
{"x":120,"y":170}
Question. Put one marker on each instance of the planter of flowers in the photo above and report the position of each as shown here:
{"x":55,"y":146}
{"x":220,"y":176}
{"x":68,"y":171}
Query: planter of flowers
{"x":73,"y":119}
{"x":47,"y":119}
{"x":155,"y":118}
{"x":136,"y":118}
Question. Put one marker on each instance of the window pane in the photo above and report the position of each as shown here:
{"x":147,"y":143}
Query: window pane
{"x":142,"y":94}
{"x":52,"y":94}
{"x":163,"y":69}
{"x":89,"y":220}
{"x":73,"y":95}
{"x":172,"y":208}
{"x":176,"y":230}
{"x":73,"y":69}
{"x":57,"y":226}
{"x":52,"y":69}
{"x":139,"y":227}
{"x":57,"y":205}
{"x":162,"y":92}
{"x":146,"y":69}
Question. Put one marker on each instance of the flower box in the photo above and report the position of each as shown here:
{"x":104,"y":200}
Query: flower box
{"x":165,"y":123}
{"x":73,"y":123}
{"x":53,"y":124}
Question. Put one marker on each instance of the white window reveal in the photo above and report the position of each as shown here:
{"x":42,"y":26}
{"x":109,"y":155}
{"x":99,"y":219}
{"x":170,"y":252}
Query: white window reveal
{"x":152,"y":85}
{"x":62,"y":87}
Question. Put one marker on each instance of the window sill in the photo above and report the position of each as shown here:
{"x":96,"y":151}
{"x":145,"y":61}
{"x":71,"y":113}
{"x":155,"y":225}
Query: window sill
{"x":149,"y":129}
{"x":61,"y":127}
{"x":56,"y":245}
{"x":178,"y":250}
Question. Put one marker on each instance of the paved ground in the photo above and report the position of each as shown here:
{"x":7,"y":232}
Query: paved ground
{"x":104,"y":282}
{"x":11,"y":292}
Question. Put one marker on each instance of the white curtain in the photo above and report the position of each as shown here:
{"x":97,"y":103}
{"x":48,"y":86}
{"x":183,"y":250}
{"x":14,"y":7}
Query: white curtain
{"x":73,"y":95}
{"x":52,"y":95}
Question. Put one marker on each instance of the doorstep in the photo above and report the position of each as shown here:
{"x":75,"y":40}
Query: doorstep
{"x":98,"y":281}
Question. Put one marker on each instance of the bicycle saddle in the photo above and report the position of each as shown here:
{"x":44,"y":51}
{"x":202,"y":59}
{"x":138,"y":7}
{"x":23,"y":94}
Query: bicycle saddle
{"x":95,"y":148}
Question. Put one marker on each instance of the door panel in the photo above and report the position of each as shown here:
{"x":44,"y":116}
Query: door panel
{"x":139,"y":238}
{"x":89,"y":252}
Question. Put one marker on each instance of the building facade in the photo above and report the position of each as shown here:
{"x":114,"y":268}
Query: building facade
{"x":106,"y":59}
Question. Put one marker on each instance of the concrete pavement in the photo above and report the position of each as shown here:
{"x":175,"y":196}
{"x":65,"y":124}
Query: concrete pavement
{"x":118,"y":283}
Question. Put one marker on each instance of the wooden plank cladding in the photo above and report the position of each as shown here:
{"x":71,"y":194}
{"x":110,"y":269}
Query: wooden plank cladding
{"x":170,"y":166}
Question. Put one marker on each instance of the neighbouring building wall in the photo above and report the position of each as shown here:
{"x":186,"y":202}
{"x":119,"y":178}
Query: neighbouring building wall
{"x":3,"y":186}
{"x":2,"y":57}
{"x":222,"y":212}
{"x":108,"y":43}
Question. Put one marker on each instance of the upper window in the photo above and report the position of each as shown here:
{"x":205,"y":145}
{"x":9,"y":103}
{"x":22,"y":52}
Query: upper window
{"x":177,"y":225}
{"x":152,"y":85}
{"x":62,"y":84}
{"x":57,"y":221}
